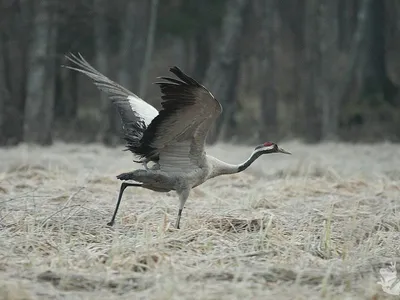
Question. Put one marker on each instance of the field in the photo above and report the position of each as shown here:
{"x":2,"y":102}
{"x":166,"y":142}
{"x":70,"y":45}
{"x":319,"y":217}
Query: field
{"x":318,"y":224}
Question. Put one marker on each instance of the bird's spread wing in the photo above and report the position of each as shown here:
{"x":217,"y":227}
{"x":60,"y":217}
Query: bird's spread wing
{"x":131,"y":108}
{"x":178,"y":133}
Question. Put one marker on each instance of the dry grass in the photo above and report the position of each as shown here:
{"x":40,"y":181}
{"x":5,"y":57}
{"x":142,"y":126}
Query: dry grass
{"x":315,"y":225}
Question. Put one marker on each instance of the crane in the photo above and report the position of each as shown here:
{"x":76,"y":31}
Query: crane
{"x":173,"y":139}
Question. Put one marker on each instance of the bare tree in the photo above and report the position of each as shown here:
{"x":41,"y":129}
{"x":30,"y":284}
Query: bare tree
{"x":201,"y":41}
{"x":108,"y":113}
{"x":67,"y":91}
{"x":329,"y":52}
{"x":149,"y":47}
{"x":347,"y":23}
{"x":221,"y":77}
{"x":202,"y":52}
{"x":14,"y":30}
{"x":66,"y":102}
{"x":335,"y":93}
{"x":336,"y":84}
{"x":4,"y":94}
{"x":40,"y":82}
{"x":269,"y":101}
{"x":134,"y":27}
{"x":312,"y":59}
{"x":293,"y":18}
{"x":374,"y":79}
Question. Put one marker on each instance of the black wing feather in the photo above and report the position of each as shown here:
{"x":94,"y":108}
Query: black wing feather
{"x":176,"y":94}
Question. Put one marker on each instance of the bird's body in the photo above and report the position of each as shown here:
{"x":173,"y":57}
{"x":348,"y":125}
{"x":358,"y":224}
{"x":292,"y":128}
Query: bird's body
{"x":156,"y":179}
{"x":173,"y":139}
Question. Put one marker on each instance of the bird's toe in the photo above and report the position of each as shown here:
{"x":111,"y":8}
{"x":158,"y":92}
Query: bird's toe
{"x":124,"y":176}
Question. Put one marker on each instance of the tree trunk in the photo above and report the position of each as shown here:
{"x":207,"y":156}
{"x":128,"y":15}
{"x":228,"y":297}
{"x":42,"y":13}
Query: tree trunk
{"x":133,"y":44}
{"x":347,"y":76}
{"x":66,"y":106}
{"x":40,"y":83}
{"x":108,"y":113}
{"x":298,"y":23}
{"x":15,"y":24}
{"x":312,"y":58}
{"x":202,"y":53}
{"x":329,"y":46}
{"x":375,"y":82}
{"x":269,"y":101}
{"x":347,"y":22}
{"x":201,"y":44}
{"x":66,"y":102}
{"x":229,"y":126}
{"x":149,"y":47}
{"x":220,"y":76}
{"x":4,"y":94}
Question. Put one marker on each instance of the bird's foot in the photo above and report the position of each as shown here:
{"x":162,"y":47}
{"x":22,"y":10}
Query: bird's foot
{"x":110,"y":224}
{"x":125,"y":176}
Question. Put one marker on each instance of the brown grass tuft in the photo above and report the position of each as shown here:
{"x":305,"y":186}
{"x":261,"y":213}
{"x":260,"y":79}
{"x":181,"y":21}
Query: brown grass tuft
{"x":232,"y":224}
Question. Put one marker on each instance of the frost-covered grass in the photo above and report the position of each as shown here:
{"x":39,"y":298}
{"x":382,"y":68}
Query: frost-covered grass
{"x":315,"y":225}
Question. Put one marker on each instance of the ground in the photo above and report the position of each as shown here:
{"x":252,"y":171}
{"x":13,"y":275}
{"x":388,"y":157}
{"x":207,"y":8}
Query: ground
{"x":318,"y":224}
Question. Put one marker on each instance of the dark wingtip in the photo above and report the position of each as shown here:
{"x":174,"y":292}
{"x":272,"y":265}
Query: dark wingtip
{"x":178,"y":72}
{"x":174,"y":69}
{"x":181,"y":75}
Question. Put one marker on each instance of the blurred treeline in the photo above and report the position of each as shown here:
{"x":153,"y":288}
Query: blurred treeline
{"x":316,"y":70}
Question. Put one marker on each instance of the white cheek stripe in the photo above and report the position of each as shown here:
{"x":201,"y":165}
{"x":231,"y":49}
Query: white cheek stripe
{"x":265,"y":148}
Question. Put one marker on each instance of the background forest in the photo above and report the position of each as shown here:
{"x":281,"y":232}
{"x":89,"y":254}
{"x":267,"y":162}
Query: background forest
{"x":308,"y":69}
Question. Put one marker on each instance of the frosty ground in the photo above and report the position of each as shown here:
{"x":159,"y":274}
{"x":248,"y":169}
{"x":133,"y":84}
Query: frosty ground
{"x":315,"y":225}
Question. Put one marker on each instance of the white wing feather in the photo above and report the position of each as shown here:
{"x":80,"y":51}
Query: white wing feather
{"x":147,"y":111}
{"x":118,"y":94}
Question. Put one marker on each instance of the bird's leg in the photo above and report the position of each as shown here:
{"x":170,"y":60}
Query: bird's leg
{"x":183,"y":196}
{"x":178,"y":219}
{"x":124,"y":185}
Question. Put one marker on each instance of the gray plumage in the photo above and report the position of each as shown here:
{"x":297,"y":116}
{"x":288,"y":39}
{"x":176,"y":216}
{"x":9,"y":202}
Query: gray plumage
{"x":173,"y":138}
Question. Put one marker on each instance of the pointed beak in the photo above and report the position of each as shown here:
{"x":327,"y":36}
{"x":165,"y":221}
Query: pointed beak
{"x":283,"y":151}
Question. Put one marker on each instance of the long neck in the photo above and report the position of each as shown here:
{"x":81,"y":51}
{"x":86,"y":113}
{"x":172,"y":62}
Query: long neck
{"x":249,"y":161}
{"x":223,"y":168}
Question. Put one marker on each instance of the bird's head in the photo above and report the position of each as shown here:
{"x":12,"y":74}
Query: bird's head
{"x":269,"y":147}
{"x":265,"y":148}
